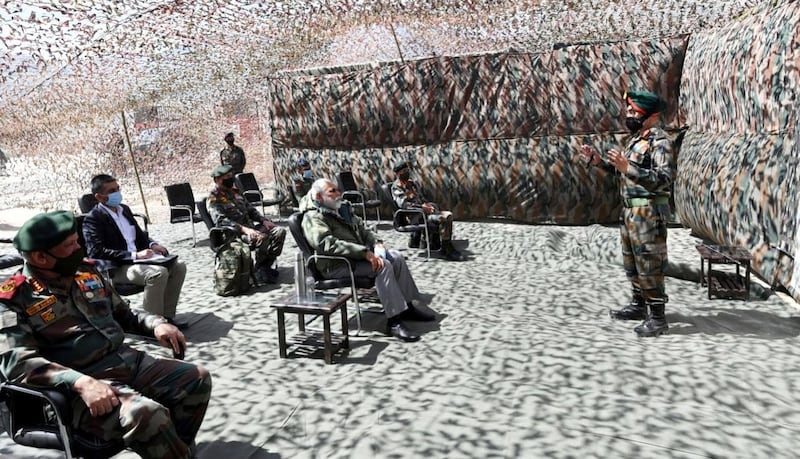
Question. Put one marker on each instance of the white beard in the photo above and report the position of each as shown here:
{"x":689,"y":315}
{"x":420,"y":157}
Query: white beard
{"x":331,"y":203}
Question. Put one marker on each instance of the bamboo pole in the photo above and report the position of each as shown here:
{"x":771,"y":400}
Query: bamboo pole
{"x":133,"y":161}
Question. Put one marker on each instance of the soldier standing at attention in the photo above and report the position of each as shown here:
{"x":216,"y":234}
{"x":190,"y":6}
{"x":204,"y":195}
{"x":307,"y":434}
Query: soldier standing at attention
{"x":645,"y":170}
{"x":232,"y":155}
{"x":63,"y":325}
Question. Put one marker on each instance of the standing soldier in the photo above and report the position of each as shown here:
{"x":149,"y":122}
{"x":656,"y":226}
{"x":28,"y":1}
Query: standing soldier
{"x":232,"y":155}
{"x":302,"y":178}
{"x":64,"y":325}
{"x":645,"y":171}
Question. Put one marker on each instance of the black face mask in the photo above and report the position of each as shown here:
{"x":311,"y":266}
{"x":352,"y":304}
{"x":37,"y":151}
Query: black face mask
{"x":404,"y":176}
{"x":228,"y":182}
{"x":66,"y":266}
{"x":634,"y":124}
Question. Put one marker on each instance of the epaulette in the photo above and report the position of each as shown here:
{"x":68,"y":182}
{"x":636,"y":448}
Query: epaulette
{"x":10,"y":286}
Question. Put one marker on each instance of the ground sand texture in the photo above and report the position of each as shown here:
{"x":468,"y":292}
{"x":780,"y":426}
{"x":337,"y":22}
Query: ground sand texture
{"x":523,"y":361}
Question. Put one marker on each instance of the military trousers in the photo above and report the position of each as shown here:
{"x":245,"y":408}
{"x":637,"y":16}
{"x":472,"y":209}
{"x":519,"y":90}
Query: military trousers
{"x":269,"y":248}
{"x":643,"y":234}
{"x":162,"y":403}
{"x":162,"y":285}
{"x":394,"y":283}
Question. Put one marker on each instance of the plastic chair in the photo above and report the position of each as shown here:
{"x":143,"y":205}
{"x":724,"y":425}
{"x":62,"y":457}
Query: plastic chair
{"x":403,"y":218}
{"x":358,"y":197}
{"x":41,"y":418}
{"x":87,"y":202}
{"x":182,"y":206}
{"x":321,"y":283}
{"x":216,"y":236}
{"x":248,"y":185}
{"x":123,"y":288}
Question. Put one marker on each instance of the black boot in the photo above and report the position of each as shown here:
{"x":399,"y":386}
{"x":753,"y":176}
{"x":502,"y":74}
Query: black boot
{"x":635,"y":310}
{"x":413,"y":240}
{"x":655,"y":325}
{"x":450,"y":252}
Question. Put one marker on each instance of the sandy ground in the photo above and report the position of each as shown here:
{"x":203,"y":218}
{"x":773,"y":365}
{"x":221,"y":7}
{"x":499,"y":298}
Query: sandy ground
{"x":523,"y":361}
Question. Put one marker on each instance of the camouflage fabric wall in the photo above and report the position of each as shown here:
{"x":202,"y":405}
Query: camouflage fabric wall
{"x":490,"y":135}
{"x":737,"y":179}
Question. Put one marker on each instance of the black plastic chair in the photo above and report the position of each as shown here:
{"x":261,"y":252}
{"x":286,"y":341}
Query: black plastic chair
{"x":358,"y":197}
{"x":407,"y":220}
{"x":9,"y":260}
{"x":216,"y":236}
{"x":320,"y":282}
{"x":182,"y":206}
{"x":247,"y":185}
{"x":41,"y":418}
{"x":87,"y":202}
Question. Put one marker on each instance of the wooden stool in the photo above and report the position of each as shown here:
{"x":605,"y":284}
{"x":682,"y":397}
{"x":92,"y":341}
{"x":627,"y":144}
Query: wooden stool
{"x":722,"y":284}
{"x":322,"y":305}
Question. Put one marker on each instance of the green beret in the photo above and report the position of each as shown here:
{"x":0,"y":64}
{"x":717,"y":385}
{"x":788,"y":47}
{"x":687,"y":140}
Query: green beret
{"x":400,"y":166}
{"x":45,"y":231}
{"x":221,"y":170}
{"x":645,"y":102}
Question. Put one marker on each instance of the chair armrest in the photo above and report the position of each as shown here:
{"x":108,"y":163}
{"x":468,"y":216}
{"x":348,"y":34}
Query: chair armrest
{"x":405,"y":213}
{"x":280,"y":196}
{"x":145,"y":220}
{"x":246,"y":193}
{"x":30,"y":435}
{"x":336,"y":258}
{"x":217,"y":236}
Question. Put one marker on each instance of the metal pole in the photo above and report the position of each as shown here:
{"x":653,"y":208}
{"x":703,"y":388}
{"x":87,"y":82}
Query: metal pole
{"x":397,"y":43}
{"x":133,"y":161}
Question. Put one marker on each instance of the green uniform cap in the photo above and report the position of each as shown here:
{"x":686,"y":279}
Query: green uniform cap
{"x":221,"y":170}
{"x":645,"y":101}
{"x":45,"y":231}
{"x":400,"y":166}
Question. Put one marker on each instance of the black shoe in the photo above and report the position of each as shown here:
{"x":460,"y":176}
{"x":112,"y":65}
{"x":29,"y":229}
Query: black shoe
{"x":181,"y":324}
{"x":633,"y":311}
{"x":419,"y":315}
{"x":651,"y":328}
{"x":401,"y":332}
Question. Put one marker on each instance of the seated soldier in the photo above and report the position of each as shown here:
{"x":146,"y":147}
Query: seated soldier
{"x":332,"y":229}
{"x":228,"y":208}
{"x":64,"y":326}
{"x":113,"y":235}
{"x":408,"y":195}
{"x":302,"y":178}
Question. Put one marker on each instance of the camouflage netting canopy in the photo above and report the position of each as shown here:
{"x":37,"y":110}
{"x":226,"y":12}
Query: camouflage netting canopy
{"x":86,"y":85}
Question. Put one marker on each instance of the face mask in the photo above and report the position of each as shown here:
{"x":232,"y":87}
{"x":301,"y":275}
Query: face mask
{"x":404,"y":176}
{"x":634,"y":124}
{"x":228,"y":182}
{"x":66,"y":266}
{"x":114,"y":199}
{"x":307,"y":174}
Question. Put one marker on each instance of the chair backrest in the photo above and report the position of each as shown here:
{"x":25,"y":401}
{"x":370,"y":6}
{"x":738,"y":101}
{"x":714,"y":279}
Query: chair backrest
{"x":386,"y":195}
{"x":202,"y":209}
{"x":180,"y":194}
{"x":346,"y":181}
{"x":296,"y":228}
{"x":246,"y":181}
{"x":87,"y":202}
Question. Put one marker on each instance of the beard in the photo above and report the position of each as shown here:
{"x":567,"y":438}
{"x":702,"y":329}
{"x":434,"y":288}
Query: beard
{"x":332,"y":203}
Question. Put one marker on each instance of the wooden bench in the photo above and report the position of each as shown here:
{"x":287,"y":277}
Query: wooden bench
{"x":322,"y":305}
{"x":723,"y":284}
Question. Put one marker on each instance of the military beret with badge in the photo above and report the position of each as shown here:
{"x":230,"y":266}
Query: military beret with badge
{"x":221,"y":170}
{"x":45,"y":231}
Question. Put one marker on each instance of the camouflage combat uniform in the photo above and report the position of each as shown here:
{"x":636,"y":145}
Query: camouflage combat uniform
{"x":302,"y":185}
{"x":54,"y":333}
{"x":645,"y":191}
{"x":229,"y":208}
{"x":408,"y":195}
{"x":233,"y":155}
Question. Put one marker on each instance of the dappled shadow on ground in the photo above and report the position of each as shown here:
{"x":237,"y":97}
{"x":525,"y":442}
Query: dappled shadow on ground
{"x":233,"y":450}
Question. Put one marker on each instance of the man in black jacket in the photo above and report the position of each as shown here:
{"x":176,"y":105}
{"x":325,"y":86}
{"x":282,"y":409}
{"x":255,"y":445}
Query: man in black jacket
{"x":112,"y":234}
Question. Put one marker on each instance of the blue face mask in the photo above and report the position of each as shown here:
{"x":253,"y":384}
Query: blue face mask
{"x":307,"y":174}
{"x":114,"y":199}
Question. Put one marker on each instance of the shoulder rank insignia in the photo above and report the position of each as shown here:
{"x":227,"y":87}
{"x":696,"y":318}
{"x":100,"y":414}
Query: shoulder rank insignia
{"x":11,"y":284}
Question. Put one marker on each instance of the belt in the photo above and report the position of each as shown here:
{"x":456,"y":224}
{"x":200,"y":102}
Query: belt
{"x":644,"y":202}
